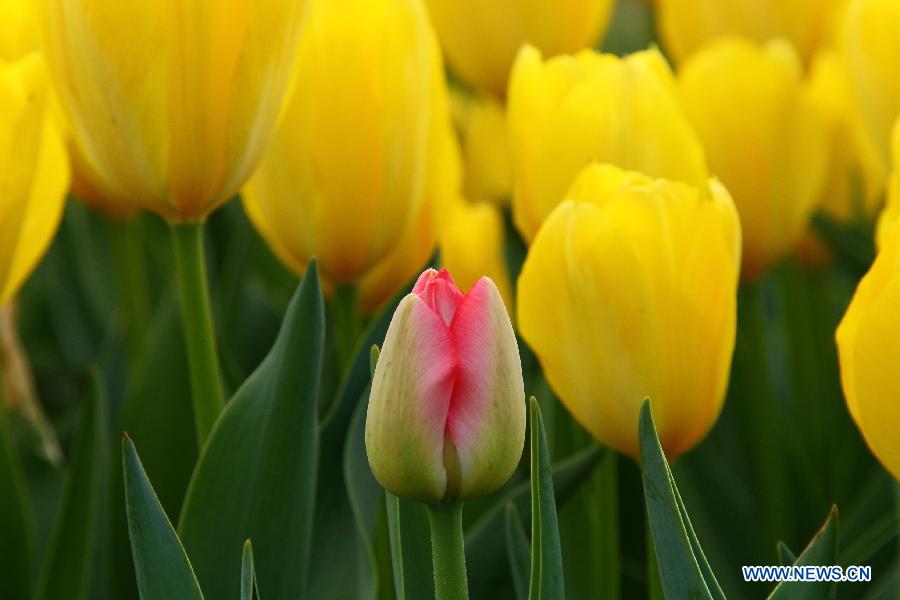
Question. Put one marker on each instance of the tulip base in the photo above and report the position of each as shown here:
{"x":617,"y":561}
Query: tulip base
{"x":448,"y":551}
{"x":197,"y":325}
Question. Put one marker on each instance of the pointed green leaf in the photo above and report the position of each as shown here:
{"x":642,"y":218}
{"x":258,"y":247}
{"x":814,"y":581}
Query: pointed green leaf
{"x":705,"y":569}
{"x":67,"y":567}
{"x":546,"y":555}
{"x":161,"y":566}
{"x":518,"y":551}
{"x":410,"y":538}
{"x":16,"y":519}
{"x":821,"y":550}
{"x":679,"y":572}
{"x":334,"y":568}
{"x":485,"y":538}
{"x":249,"y":589}
{"x":155,"y":401}
{"x":786,"y":556}
{"x":256,"y":476}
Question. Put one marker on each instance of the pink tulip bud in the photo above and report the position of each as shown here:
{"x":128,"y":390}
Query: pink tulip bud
{"x":446,"y":416}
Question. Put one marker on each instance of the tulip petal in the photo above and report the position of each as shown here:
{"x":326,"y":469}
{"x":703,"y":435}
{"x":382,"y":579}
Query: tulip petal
{"x":589,"y":304}
{"x":407,"y":413}
{"x":34,"y":182}
{"x":486,"y":416}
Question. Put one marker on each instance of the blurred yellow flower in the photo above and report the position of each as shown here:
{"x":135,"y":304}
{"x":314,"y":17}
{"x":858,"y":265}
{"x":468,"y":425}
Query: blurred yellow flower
{"x":570,"y":110}
{"x":34,"y":171}
{"x":480,"y":39}
{"x":869,"y":42}
{"x":764,"y":136}
{"x":472,"y":245}
{"x":628,"y":291}
{"x":484,"y":141}
{"x":171,"y":104}
{"x":855,"y":175}
{"x":411,"y":252}
{"x":686,"y":25}
{"x":868,"y":341}
{"x":19,"y":34}
{"x":888,"y":217}
{"x":364,"y":146}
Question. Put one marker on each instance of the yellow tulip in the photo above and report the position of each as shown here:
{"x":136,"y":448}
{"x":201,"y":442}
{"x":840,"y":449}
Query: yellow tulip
{"x":765,"y":137}
{"x":855,"y":175}
{"x":888,"y":217}
{"x":472,"y":245}
{"x":869,"y":43}
{"x":570,"y":110}
{"x":481,"y":123}
{"x":628,"y":291}
{"x":19,"y":33}
{"x":480,"y":39}
{"x":364,"y":145}
{"x":34,"y":172}
{"x":868,"y":341}
{"x":171,"y":103}
{"x":686,"y":25}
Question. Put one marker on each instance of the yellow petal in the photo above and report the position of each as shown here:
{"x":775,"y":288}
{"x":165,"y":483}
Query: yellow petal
{"x":589,"y":304}
{"x":480,"y":39}
{"x":686,"y":25}
{"x":570,"y":110}
{"x":19,"y":33}
{"x":34,"y":172}
{"x":765,"y":138}
{"x":869,"y":43}
{"x":472,"y":245}
{"x":887,"y":220}
{"x":345,"y":179}
{"x":868,"y":340}
{"x":481,"y":121}
{"x":172,"y":102}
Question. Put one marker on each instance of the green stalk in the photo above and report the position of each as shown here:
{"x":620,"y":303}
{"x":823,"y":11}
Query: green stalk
{"x":197,"y":324}
{"x":760,"y":415}
{"x":347,"y":323}
{"x":131,"y":280}
{"x":447,"y":550}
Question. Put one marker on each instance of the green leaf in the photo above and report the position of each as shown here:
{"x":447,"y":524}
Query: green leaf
{"x":334,"y":568}
{"x":67,"y":567}
{"x":518,"y":551}
{"x":410,"y":538}
{"x":705,"y":569}
{"x":485,"y":538}
{"x":249,"y":589}
{"x":256,"y":476}
{"x":161,"y":566}
{"x":786,"y":556}
{"x":821,"y":550}
{"x":16,"y":519}
{"x":679,"y":571}
{"x":367,"y":501}
{"x":155,"y":401}
{"x":546,"y":556}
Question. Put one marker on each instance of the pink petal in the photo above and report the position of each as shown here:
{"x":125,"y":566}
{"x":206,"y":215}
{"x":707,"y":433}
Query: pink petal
{"x":439,"y":292}
{"x":486,"y":415}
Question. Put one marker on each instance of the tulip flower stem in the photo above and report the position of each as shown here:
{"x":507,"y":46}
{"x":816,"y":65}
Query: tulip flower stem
{"x":448,"y":551}
{"x":131,"y":279}
{"x":347,"y":323}
{"x":197,"y":323}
